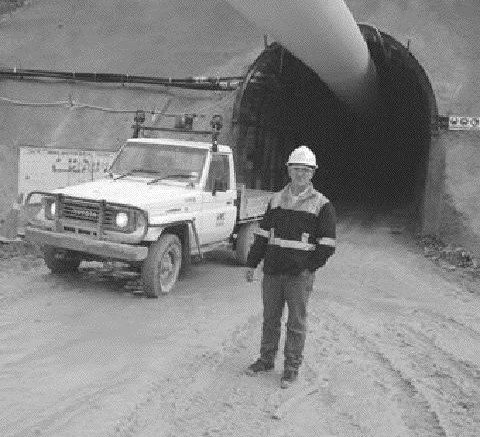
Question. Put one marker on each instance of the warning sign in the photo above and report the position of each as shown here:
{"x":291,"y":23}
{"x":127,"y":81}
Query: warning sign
{"x":44,"y":168}
{"x":463,"y":123}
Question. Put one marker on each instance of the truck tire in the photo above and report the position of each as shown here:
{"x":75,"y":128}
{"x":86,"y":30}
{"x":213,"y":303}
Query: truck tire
{"x":244,"y":241}
{"x":69,"y":263}
{"x":161,"y":268}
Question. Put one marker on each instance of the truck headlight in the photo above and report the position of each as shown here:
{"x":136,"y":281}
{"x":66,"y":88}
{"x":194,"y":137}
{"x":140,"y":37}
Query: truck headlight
{"x":121,"y":219}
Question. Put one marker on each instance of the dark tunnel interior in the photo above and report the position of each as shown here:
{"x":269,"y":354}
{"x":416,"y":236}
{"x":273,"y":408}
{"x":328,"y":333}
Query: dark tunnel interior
{"x":364,"y":161}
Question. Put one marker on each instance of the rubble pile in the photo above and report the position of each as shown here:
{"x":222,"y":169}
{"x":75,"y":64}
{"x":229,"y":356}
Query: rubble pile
{"x":449,"y":256}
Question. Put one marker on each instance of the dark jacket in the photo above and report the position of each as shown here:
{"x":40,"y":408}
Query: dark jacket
{"x":294,"y":235}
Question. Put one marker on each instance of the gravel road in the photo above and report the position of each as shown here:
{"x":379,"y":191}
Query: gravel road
{"x":393,"y":350}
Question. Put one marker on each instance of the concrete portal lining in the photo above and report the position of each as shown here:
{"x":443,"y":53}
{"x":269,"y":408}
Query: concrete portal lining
{"x":388,"y":163}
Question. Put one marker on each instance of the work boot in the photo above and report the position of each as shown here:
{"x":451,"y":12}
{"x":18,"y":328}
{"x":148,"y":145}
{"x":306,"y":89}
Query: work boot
{"x":259,"y":366}
{"x":288,"y":378}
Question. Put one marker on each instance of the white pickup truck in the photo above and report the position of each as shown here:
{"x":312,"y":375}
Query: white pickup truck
{"x":164,"y":201}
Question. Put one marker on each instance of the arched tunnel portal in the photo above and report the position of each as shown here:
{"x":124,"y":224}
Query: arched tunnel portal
{"x":374,"y":161}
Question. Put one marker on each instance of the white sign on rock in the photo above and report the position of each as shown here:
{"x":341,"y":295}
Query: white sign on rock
{"x":44,"y":168}
{"x":463,"y":123}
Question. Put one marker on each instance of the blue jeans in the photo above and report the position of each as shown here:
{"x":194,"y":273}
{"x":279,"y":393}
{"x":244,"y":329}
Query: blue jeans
{"x":276,"y":291}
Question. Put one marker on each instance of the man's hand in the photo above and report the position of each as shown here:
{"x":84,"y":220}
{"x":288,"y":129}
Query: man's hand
{"x":249,"y":274}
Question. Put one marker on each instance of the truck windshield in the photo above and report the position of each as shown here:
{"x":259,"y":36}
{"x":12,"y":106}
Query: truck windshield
{"x":161,"y":161}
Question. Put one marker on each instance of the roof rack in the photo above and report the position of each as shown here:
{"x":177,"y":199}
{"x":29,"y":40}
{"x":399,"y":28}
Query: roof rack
{"x":183,"y":124}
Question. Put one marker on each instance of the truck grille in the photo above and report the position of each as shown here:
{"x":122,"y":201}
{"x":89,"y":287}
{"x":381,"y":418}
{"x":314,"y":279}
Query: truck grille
{"x":87,"y":212}
{"x":90,"y":217}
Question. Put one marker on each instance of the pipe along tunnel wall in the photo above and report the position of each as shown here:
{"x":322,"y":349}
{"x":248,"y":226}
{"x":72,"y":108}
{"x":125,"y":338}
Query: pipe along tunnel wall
{"x":442,"y":35}
{"x":380,"y":162}
{"x":390,"y":161}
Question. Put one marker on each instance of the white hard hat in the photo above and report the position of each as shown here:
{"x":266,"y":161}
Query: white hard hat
{"x":302,"y":156}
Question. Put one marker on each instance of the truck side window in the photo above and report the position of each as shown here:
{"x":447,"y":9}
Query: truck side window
{"x":219,"y":169}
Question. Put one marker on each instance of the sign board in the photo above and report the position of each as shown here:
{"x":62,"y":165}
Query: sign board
{"x":44,"y":168}
{"x":463,"y":123}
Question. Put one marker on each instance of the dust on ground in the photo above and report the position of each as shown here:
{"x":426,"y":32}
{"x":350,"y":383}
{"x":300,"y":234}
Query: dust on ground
{"x":392,"y":349}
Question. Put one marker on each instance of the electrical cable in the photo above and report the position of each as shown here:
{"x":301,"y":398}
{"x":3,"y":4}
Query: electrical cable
{"x":71,"y":104}
{"x":45,"y":104}
{"x":218,"y":83}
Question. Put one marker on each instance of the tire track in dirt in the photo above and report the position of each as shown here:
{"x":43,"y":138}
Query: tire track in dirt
{"x":181,"y":351}
{"x":441,"y":326}
{"x":393,"y":385}
{"x":437,"y":318}
{"x":207,"y":393}
{"x":73,"y":404}
{"x":456,"y":384}
{"x":449,"y":387}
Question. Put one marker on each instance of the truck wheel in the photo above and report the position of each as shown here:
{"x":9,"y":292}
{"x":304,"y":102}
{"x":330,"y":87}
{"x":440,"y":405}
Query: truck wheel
{"x":160,"y":269}
{"x":244,"y":241}
{"x":61,"y":261}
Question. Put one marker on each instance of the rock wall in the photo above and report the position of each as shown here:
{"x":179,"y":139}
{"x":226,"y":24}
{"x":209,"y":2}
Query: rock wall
{"x":186,"y":37}
{"x":8,"y":172}
{"x":160,"y":38}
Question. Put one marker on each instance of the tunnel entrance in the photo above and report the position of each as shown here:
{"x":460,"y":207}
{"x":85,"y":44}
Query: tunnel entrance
{"x":364,"y":161}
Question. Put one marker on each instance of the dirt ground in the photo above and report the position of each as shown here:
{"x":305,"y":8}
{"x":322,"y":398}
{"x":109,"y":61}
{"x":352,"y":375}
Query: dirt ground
{"x":394,"y":338}
{"x":392,"y":350}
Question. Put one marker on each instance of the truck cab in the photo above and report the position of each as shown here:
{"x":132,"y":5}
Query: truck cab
{"x":176,"y":179}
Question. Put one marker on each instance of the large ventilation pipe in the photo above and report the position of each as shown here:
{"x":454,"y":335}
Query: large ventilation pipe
{"x":324,"y":35}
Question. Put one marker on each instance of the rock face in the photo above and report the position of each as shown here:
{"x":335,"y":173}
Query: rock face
{"x":176,"y":38}
{"x":185,"y":37}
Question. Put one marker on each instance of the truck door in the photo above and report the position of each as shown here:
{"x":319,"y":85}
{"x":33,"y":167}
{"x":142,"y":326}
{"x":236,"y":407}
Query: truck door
{"x":218,"y":209}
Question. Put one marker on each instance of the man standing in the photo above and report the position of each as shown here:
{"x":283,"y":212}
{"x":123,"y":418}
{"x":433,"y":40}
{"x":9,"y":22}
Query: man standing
{"x":295,"y":238}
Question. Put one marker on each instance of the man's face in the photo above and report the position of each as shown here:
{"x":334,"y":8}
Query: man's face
{"x":300,"y":175}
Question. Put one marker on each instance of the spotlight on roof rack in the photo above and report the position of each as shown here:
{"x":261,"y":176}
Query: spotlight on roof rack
{"x":184,"y":121}
{"x":139,"y":119}
{"x":216,"y":124}
{"x":139,"y":116}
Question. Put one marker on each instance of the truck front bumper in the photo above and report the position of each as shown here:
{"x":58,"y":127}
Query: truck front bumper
{"x":102,"y":248}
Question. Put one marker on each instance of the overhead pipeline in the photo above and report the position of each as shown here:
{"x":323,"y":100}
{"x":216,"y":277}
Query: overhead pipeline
{"x":324,"y":35}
